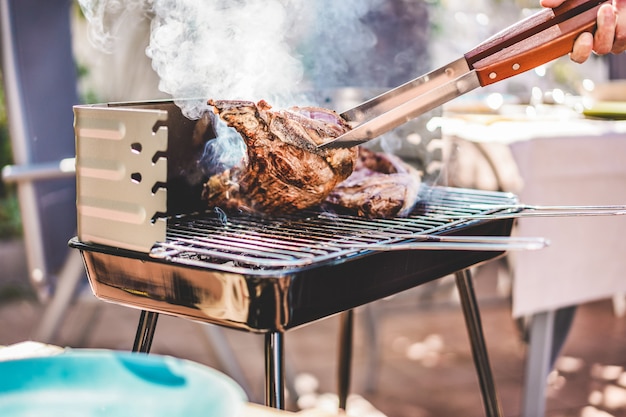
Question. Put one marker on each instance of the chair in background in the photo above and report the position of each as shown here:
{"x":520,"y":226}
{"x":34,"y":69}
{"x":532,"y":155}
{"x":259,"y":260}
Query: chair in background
{"x":40,"y":82}
{"x":39,"y":79}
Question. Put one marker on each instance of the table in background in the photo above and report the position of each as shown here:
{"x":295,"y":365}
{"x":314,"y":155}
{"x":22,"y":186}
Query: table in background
{"x":561,"y":161}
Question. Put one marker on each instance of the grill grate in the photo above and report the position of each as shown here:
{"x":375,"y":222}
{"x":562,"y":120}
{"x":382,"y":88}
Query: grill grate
{"x":248,"y":244}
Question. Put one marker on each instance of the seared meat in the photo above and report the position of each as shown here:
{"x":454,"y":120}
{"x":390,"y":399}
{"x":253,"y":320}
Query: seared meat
{"x":284,"y":171}
{"x":381,"y":186}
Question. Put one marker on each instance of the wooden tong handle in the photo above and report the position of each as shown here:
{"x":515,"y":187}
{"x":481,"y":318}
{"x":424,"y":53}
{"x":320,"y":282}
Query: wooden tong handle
{"x":534,"y":41}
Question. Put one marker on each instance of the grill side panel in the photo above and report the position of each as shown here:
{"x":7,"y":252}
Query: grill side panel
{"x":118,"y":172}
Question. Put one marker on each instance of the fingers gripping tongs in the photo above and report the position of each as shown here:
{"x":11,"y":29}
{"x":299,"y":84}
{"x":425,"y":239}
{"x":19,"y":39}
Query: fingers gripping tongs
{"x":534,"y":41}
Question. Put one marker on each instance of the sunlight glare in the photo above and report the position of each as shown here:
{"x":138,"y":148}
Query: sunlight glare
{"x":595,"y":397}
{"x":614,"y":397}
{"x":606,"y":372}
{"x":569,"y":364}
{"x":590,"y":411}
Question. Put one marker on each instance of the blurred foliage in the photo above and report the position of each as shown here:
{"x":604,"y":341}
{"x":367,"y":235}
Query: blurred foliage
{"x":86,"y":92}
{"x":87,"y":95}
{"x":5,"y":144}
{"x":10,"y":220}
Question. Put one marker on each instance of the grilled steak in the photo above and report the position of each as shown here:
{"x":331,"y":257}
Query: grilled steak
{"x":381,"y":186}
{"x":284,"y":171}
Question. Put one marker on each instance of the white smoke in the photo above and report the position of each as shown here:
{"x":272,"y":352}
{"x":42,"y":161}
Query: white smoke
{"x":105,"y":18}
{"x":339,"y":44}
{"x":223,"y":49}
{"x":276,"y":50}
{"x":288,"y":52}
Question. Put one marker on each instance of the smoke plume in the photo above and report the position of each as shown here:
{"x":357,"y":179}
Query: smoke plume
{"x":278,"y":50}
{"x":283,"y":51}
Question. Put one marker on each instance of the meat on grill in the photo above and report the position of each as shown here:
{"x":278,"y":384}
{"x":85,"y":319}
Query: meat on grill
{"x":284,"y":171}
{"x":381,"y":186}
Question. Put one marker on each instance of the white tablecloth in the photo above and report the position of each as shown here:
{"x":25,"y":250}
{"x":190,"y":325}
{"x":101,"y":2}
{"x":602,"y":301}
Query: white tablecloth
{"x":563,"y":162}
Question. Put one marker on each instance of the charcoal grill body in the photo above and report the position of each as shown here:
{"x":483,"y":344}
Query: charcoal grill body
{"x":270,"y":302}
{"x":147,"y":244}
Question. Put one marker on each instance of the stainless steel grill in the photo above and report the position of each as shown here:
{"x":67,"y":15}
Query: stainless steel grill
{"x":267,"y":274}
{"x":147,"y":242}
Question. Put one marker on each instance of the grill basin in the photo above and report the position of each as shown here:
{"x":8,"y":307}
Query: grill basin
{"x":275,"y":274}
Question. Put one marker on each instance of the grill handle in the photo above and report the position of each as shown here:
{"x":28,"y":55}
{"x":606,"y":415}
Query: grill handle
{"x":469,"y":243}
{"x":515,"y":211}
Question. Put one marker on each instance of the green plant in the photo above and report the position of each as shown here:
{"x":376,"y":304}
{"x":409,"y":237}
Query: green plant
{"x":10,"y":220}
{"x":5,"y":145}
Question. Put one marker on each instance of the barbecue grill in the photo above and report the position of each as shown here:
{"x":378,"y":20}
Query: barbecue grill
{"x":274,"y":274}
{"x":148,"y":243}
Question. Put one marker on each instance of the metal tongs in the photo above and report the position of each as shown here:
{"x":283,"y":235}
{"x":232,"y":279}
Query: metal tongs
{"x":515,"y":211}
{"x":457,"y":243}
{"x":491,"y":243}
{"x":534,"y":41}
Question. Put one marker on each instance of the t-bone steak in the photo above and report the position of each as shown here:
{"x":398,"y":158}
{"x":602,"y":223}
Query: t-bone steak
{"x":284,"y":171}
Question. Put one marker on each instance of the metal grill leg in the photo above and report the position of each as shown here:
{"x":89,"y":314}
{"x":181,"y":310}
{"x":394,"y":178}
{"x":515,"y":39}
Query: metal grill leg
{"x":372,"y":340}
{"x":548,"y":332}
{"x":346,"y":330}
{"x":538,"y":364}
{"x":477,"y":340}
{"x":274,"y":370}
{"x":145,"y":331}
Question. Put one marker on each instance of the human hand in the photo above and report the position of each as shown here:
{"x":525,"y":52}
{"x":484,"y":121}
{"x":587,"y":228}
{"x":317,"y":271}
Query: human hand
{"x":610,"y":35}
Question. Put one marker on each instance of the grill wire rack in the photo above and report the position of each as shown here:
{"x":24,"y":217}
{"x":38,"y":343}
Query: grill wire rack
{"x":253,"y":244}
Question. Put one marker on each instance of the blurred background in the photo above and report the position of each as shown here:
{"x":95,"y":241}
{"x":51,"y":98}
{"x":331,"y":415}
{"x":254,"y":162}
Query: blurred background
{"x":421,"y":363}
